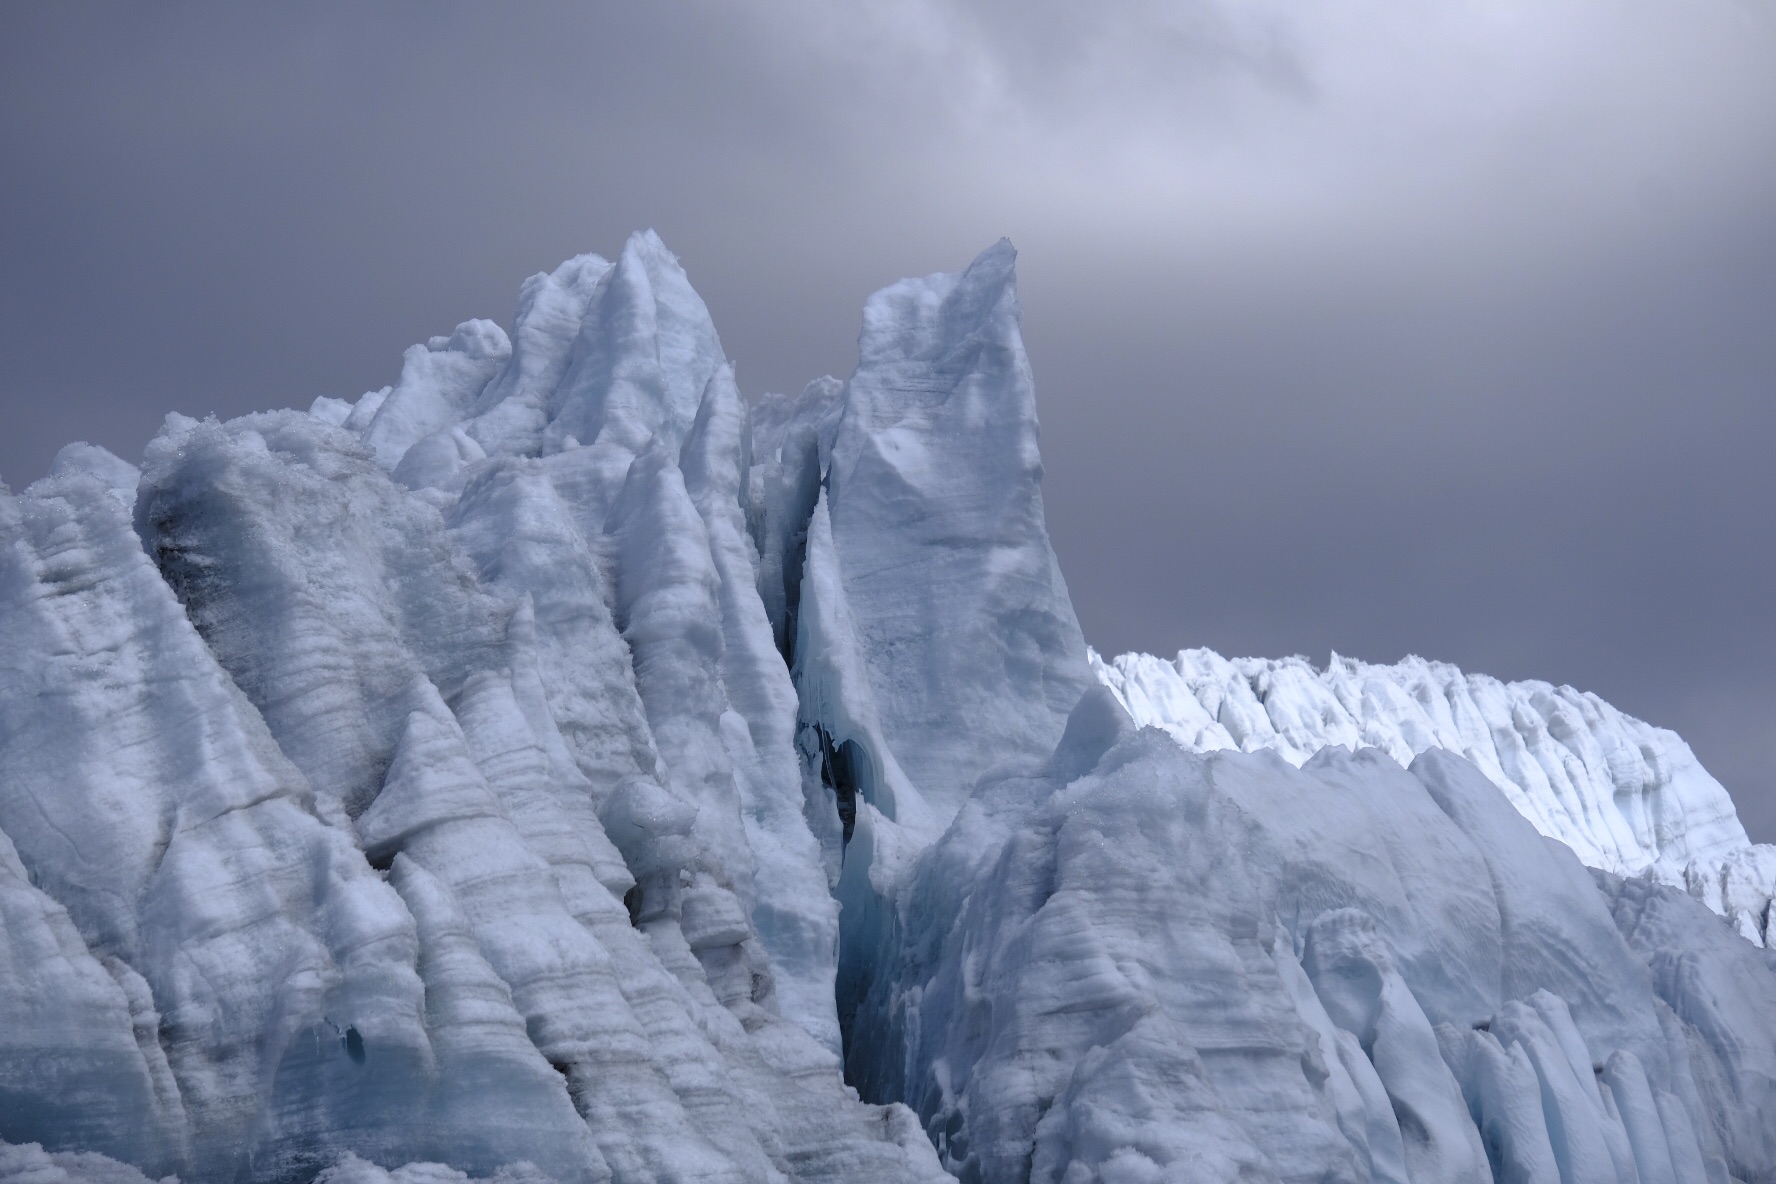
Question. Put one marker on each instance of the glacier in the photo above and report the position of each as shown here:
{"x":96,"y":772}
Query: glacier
{"x":1627,"y":797}
{"x":555,"y":766}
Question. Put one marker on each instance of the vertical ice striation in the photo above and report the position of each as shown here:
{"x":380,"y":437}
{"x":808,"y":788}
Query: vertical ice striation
{"x":318,"y":583}
{"x":910,"y":583}
{"x":934,"y":490}
{"x":80,"y":1054}
{"x":788,"y":895}
{"x":241,"y":927}
{"x":1143,"y":962}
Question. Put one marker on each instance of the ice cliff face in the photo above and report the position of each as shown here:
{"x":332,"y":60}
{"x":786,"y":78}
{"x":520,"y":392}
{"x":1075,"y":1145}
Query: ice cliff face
{"x":1627,"y":797}
{"x":550,"y":767}
{"x":1137,"y":962}
{"x":418,"y":783}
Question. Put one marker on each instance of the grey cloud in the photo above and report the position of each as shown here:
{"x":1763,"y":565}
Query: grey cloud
{"x":1356,"y":326}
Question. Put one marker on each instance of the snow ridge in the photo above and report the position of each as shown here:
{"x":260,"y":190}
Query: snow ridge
{"x":1627,"y":797}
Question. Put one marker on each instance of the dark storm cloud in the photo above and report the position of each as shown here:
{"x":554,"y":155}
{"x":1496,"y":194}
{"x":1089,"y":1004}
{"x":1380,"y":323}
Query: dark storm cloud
{"x":1357,"y":326}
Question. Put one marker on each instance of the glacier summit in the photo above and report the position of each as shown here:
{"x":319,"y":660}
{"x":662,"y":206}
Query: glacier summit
{"x":552,"y":767}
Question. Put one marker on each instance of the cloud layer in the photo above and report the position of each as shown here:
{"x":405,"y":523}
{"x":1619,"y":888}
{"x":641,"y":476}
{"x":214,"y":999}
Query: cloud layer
{"x":1368,"y":325}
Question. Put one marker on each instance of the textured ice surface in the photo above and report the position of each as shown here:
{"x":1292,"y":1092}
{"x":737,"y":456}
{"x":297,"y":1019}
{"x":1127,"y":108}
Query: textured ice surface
{"x":1626,"y":796}
{"x":412,"y":782}
{"x":31,"y":1164}
{"x":552,"y":770}
{"x":933,"y":485}
{"x":1145,"y":963}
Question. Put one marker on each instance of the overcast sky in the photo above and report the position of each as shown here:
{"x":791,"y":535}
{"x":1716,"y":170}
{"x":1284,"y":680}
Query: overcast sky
{"x":1377,"y":326}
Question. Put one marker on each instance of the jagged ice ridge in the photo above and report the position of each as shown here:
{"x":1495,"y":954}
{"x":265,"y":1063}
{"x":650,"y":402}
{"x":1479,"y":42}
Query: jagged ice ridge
{"x":551,"y":767}
{"x":1627,"y":797}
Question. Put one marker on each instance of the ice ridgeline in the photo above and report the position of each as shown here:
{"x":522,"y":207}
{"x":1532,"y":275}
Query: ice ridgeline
{"x":1625,"y":796}
{"x":549,"y":768}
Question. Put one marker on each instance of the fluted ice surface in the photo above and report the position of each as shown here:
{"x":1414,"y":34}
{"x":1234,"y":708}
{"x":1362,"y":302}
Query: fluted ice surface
{"x":1139,"y":962}
{"x":414,"y":782}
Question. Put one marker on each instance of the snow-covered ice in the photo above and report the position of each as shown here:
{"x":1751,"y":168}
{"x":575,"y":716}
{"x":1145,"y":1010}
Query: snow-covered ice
{"x":553,"y":769}
{"x":1626,"y":796}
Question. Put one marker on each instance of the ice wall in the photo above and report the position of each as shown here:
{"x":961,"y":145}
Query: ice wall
{"x":415,"y":780}
{"x":1627,"y":797}
{"x":1145,"y":963}
{"x":551,"y":768}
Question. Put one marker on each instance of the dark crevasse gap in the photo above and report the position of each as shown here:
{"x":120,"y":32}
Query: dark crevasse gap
{"x":838,"y":772}
{"x":792,"y":589}
{"x":869,"y":940}
{"x":840,"y":768}
{"x":869,"y":937}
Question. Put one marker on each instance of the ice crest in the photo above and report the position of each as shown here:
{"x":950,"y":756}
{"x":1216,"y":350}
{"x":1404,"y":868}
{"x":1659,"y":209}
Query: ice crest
{"x":1626,"y":796}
